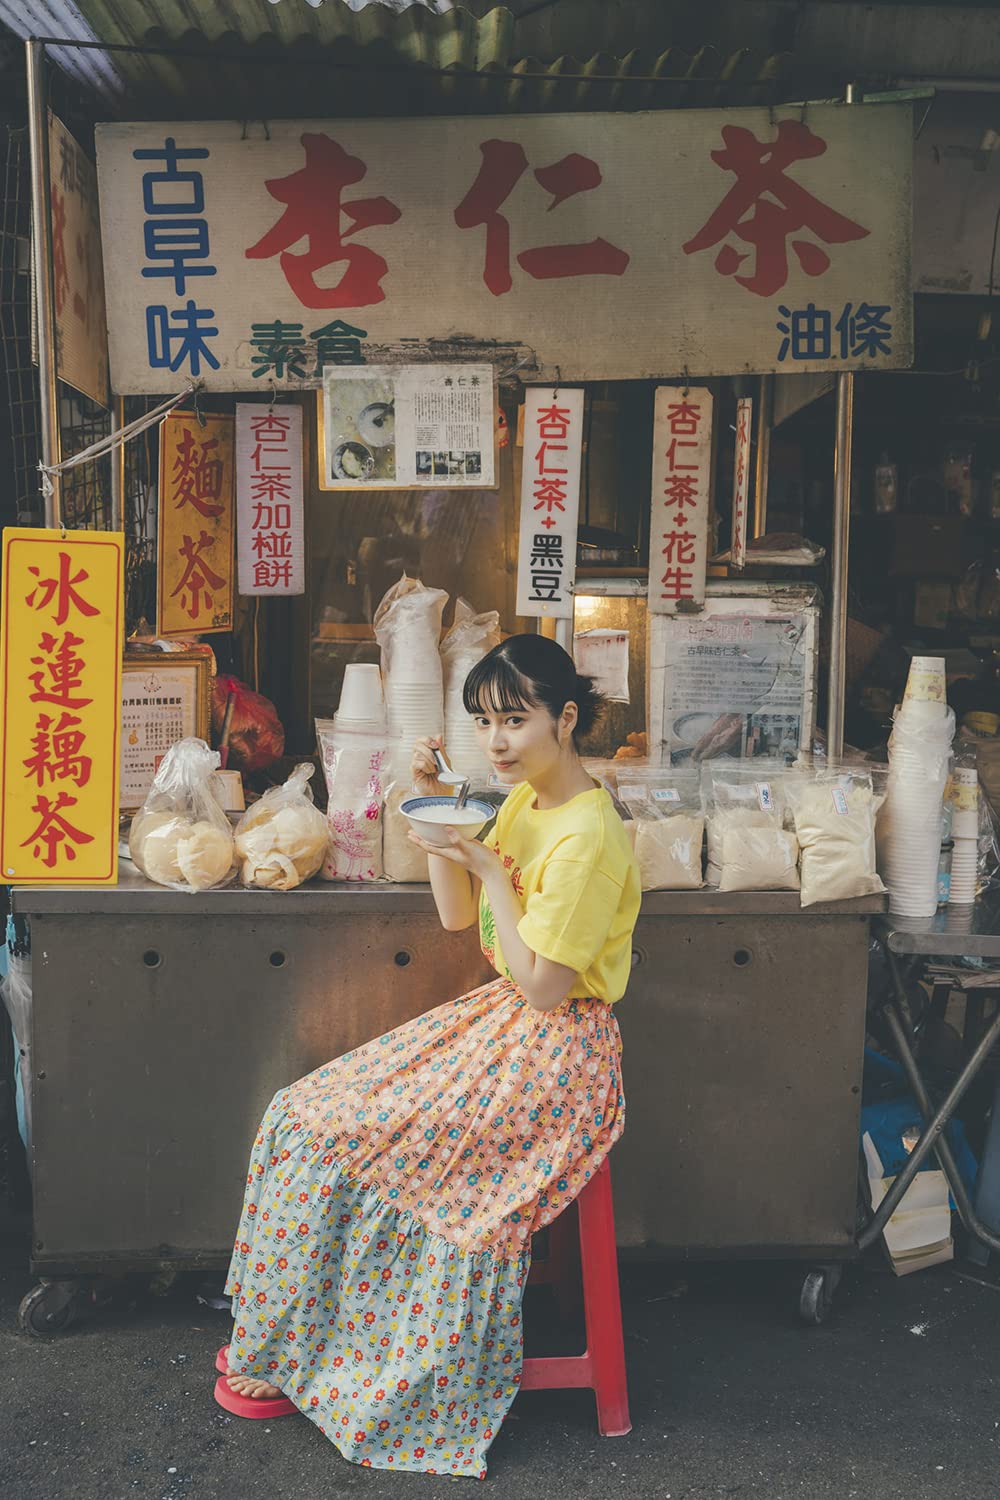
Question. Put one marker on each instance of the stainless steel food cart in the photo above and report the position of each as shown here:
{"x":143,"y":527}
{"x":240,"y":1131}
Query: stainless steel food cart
{"x":164,"y":1022}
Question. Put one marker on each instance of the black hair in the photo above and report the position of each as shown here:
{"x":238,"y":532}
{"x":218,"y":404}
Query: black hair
{"x":532,"y":671}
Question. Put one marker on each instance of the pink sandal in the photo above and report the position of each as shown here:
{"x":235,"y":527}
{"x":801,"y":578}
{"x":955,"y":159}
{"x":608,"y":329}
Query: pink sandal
{"x":247,"y":1406}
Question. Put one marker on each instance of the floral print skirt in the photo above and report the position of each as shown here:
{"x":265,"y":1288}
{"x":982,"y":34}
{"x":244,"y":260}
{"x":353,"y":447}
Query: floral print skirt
{"x":385,"y":1239}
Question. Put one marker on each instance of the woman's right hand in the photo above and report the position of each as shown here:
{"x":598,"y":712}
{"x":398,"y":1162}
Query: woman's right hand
{"x":424,"y":769}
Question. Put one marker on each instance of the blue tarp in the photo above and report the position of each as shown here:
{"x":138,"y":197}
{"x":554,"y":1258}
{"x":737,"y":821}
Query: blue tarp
{"x":888,"y":1109}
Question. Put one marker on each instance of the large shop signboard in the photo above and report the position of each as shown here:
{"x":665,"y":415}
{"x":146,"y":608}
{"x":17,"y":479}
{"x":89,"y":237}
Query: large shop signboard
{"x":575,"y":246}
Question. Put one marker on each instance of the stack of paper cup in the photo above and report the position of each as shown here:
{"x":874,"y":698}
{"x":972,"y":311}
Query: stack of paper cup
{"x":362,"y":705}
{"x":467,"y":642}
{"x":958,"y":919}
{"x":415,"y":701}
{"x":965,"y":833}
{"x":910,"y":826}
{"x":408,"y":629}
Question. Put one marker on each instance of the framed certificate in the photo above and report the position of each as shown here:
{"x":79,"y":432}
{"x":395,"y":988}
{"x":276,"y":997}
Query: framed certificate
{"x":166,"y":697}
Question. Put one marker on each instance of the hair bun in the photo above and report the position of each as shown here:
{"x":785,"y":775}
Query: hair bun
{"x":589,"y":702}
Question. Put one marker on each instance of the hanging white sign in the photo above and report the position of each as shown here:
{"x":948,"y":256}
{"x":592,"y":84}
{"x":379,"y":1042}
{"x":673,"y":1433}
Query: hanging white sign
{"x":270,"y":540}
{"x":682,"y":470}
{"x":550,"y":501}
{"x":741,"y":480}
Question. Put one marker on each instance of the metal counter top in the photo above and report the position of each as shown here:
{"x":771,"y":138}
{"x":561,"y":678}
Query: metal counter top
{"x":955,"y":932}
{"x":138,"y":897}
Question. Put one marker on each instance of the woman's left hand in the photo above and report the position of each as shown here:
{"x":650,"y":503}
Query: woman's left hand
{"x":469,"y":853}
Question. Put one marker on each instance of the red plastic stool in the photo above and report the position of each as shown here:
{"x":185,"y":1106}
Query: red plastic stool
{"x":601,"y":1367}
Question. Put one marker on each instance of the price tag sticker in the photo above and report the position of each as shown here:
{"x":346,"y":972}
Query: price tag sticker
{"x":666,"y":794}
{"x":840,"y":801}
{"x":765,"y":796}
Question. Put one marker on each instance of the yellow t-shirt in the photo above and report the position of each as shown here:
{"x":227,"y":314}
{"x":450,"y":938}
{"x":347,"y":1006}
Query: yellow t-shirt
{"x":577,"y":880}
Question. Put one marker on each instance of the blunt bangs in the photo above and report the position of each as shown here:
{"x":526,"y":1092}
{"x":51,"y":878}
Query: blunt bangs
{"x":496,"y":686}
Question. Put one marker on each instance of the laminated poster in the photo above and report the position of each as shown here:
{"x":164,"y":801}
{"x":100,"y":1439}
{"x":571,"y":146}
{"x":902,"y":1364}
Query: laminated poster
{"x":407,"y":427}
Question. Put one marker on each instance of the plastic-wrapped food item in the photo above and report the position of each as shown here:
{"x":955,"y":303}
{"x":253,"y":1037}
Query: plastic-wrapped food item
{"x":666,"y":826}
{"x":749,"y":846}
{"x":759,"y":858}
{"x":282,"y":839}
{"x":256,"y":735}
{"x":402,"y":861}
{"x":408,"y":629}
{"x":182,"y":837}
{"x":834,"y":814}
{"x":356,"y":767}
{"x":668,"y":851}
{"x":471,"y":636}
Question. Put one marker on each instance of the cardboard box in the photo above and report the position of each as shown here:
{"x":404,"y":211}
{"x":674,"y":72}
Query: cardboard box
{"x":927,"y":546}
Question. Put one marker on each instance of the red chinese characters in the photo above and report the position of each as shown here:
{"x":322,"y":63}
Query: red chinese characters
{"x":315,"y":210}
{"x":195,"y":516}
{"x":59,"y":741}
{"x":503,"y":164}
{"x":60,"y":266}
{"x":767,"y":209}
{"x":679,"y":524}
{"x":549,"y":469}
{"x":198,"y":475}
{"x":741,"y":480}
{"x":198,"y":578}
{"x":269,"y":499}
{"x":318,"y":212}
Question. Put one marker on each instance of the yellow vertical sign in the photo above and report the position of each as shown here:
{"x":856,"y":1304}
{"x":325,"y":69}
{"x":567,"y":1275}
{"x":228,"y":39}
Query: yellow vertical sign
{"x":195,"y":562}
{"x":61,"y":640}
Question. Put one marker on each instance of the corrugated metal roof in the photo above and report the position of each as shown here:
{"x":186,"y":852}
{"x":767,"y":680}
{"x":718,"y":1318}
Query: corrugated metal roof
{"x":257,"y":59}
{"x":94,"y":70}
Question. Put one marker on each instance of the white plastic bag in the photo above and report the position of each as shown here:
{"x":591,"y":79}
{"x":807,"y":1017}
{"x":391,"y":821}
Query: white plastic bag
{"x":282,"y":839}
{"x":666,"y":826}
{"x":402,"y":861}
{"x":356,"y":767}
{"x":467,"y":642}
{"x":834,"y":814}
{"x":747,"y":837}
{"x":182,"y":837}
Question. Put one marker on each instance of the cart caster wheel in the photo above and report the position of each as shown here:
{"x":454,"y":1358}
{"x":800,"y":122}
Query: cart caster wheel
{"x":47,"y":1309}
{"x":817,"y":1294}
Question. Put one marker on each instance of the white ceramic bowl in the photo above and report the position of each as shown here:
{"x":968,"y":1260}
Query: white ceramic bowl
{"x":428,"y":816}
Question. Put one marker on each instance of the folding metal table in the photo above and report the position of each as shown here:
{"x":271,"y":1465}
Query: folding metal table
{"x":954,"y":933}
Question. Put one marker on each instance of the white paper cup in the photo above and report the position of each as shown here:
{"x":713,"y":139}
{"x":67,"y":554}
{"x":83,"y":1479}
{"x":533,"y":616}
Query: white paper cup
{"x":926,"y":682}
{"x":361,"y":695}
{"x":965,"y":803}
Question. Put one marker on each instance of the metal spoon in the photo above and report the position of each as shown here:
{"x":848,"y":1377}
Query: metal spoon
{"x":452,"y":778}
{"x":463,"y":793}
